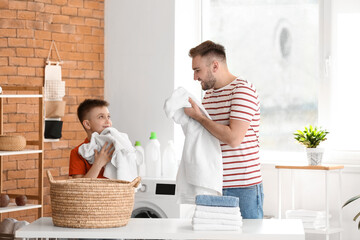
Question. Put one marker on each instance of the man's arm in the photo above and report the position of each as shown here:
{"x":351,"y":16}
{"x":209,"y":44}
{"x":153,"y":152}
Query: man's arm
{"x":232,"y":135}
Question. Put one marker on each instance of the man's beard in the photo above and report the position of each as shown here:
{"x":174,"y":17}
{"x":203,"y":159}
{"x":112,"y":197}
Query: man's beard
{"x":210,"y":81}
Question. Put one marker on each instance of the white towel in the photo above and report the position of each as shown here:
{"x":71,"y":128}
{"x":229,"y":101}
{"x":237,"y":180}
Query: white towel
{"x":217,"y":221}
{"x":123,"y":161}
{"x":229,"y":210}
{"x":314,"y":225}
{"x":215,"y":227}
{"x":304,"y":213}
{"x":308,"y":219}
{"x":201,"y":155}
{"x":210,"y":215}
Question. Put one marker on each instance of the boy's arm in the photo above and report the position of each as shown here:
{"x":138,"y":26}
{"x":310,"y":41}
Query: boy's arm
{"x":77,"y":167}
{"x":101,"y":159}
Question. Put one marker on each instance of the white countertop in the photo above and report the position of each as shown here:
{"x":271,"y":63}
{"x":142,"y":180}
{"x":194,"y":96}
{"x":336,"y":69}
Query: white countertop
{"x":169,"y":228}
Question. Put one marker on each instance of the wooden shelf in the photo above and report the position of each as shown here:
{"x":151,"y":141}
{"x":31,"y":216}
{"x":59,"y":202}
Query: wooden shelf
{"x":322,"y":167}
{"x":51,"y":140}
{"x":12,"y":207}
{"x":9,"y":153}
{"x":21,"y":96}
{"x":34,"y":92}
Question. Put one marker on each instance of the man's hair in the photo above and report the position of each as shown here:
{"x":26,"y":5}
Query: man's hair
{"x":87,"y":105}
{"x":208,"y":48}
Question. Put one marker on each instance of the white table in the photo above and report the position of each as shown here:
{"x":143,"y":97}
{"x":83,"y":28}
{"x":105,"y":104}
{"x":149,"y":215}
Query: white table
{"x":169,"y":228}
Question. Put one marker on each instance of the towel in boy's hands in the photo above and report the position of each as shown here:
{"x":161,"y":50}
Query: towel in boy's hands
{"x":217,"y":201}
{"x":123,"y":161}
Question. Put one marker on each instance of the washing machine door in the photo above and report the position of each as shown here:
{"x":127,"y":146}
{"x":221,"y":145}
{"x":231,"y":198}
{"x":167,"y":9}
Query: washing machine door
{"x":147,"y":210}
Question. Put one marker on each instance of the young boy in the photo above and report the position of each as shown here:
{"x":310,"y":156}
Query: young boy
{"x":94,"y":116}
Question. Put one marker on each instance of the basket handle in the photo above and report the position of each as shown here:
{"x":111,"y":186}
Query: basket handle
{"x":135,"y":182}
{"x":50,"y":177}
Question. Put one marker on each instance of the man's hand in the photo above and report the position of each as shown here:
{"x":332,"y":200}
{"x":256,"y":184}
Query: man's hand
{"x":104,"y":156}
{"x":194,"y":111}
{"x":232,"y":134}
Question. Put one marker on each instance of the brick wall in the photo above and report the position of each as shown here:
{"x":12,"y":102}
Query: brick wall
{"x":26,"y":31}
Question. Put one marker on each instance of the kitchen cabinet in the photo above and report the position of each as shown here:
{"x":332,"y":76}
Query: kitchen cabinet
{"x":34,"y":147}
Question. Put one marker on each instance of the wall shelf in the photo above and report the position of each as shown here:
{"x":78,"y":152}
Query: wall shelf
{"x":39,"y":144}
{"x":10,"y":153}
{"x":12,"y":207}
{"x":20,"y":96}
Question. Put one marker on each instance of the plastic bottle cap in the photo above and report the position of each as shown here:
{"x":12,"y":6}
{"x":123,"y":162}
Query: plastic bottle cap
{"x":137,"y":143}
{"x":153,"y":135}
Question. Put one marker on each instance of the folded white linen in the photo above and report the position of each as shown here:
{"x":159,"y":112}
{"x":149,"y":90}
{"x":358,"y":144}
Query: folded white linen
{"x":201,"y":155}
{"x":210,"y":215}
{"x":228,"y":210}
{"x":215,"y":227}
{"x":216,"y":221}
{"x":123,"y":161}
{"x":309,"y":219}
{"x":304,"y":213}
{"x":314,"y":220}
{"x":314,"y":225}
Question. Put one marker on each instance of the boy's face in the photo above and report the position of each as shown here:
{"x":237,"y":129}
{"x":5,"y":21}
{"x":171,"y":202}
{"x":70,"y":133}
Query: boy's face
{"x":97,"y":120}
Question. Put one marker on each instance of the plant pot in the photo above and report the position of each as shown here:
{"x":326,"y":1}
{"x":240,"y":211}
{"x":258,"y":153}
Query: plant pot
{"x":314,"y":156}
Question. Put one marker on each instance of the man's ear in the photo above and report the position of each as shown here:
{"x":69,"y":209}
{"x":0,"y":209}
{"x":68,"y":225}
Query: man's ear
{"x":215,"y":66}
{"x":86,"y":124}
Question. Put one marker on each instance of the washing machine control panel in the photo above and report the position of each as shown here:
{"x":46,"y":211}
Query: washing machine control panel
{"x":165,"y":189}
{"x":156,"y":187}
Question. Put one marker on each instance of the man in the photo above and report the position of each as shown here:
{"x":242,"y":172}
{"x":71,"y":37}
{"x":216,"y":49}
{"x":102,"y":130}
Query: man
{"x":234,"y":107}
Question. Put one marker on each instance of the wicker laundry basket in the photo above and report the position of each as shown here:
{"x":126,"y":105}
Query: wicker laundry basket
{"x":91,"y":203}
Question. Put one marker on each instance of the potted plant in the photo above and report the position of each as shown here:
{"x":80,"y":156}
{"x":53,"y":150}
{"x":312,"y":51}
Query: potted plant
{"x":350,"y":201}
{"x":311,"y":137}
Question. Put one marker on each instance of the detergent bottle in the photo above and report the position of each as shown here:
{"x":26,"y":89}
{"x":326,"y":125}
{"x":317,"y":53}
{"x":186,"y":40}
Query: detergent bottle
{"x":169,"y":162}
{"x":140,"y":159}
{"x":153,"y":157}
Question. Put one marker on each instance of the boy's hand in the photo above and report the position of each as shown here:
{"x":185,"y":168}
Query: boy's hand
{"x":105,"y":155}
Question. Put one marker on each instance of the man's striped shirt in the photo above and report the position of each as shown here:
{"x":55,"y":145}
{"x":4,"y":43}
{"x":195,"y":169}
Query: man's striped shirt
{"x":238,"y":100}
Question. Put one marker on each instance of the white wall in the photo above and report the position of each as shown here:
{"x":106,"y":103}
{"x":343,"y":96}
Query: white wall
{"x":187,"y":35}
{"x":146,"y":58}
{"x":139,"y":66}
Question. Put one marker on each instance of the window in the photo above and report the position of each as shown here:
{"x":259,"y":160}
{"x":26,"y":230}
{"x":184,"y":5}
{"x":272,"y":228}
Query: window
{"x":302,"y":55}
{"x":275,"y":45}
{"x":345,"y":92}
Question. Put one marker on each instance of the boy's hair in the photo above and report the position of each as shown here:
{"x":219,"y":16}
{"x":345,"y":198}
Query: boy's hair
{"x":208,"y":48}
{"x":87,"y":105}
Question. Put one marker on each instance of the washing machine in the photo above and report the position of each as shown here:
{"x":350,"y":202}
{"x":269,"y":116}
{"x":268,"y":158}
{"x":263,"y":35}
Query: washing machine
{"x":156,"y":199}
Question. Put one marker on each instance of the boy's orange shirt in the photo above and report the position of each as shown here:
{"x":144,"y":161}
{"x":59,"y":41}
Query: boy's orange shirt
{"x":78,"y":165}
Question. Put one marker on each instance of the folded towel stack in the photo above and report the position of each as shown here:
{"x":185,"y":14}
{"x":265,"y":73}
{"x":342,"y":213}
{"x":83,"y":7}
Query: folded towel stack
{"x":311,"y":219}
{"x":216,"y":213}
